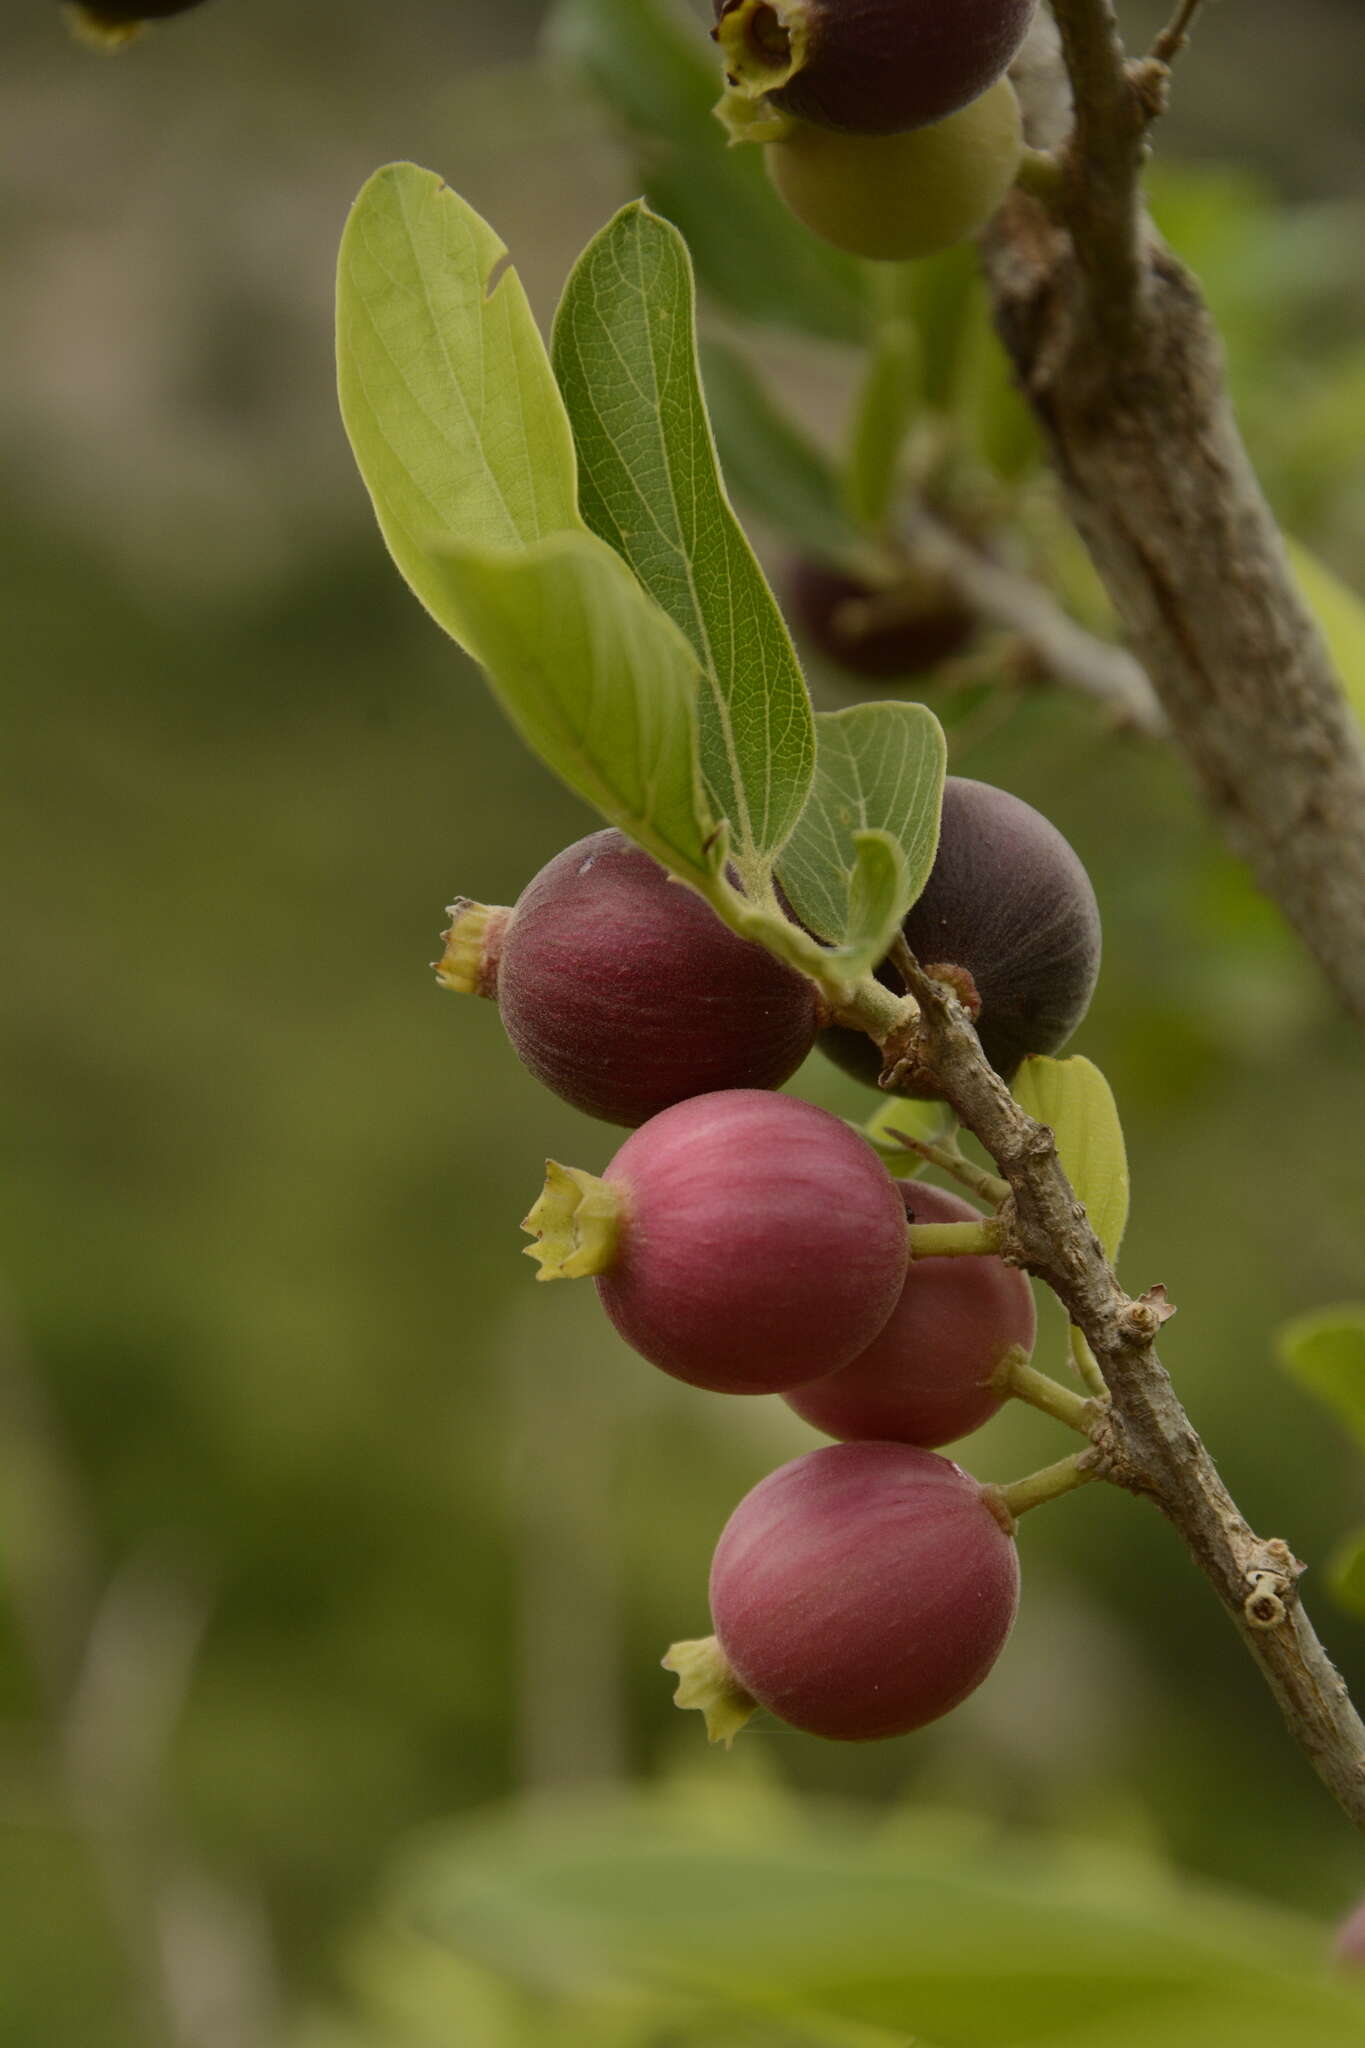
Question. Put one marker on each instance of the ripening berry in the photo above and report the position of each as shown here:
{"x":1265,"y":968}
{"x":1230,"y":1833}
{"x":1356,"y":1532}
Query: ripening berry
{"x":1009,"y":902}
{"x":742,"y":1241}
{"x":856,"y":629}
{"x":623,"y":992}
{"x":892,"y":198}
{"x":926,"y":1377}
{"x":864,"y":1590}
{"x":874,"y":67}
{"x":112,"y":22}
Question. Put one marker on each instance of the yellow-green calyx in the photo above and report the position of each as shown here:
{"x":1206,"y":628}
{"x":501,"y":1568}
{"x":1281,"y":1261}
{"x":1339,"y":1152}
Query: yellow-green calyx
{"x":705,"y":1681}
{"x":469,"y":965}
{"x":98,"y":32}
{"x":764,"y":43}
{"x":576,"y":1224}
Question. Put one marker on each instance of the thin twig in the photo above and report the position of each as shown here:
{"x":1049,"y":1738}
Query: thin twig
{"x":1176,"y":33}
{"x":1066,"y":651}
{"x":1143,"y":1440}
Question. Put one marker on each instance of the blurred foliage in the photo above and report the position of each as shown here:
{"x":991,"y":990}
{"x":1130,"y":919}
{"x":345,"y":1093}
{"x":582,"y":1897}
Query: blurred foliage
{"x":263,"y":1180}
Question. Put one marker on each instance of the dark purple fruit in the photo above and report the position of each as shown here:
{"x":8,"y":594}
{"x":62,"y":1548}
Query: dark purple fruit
{"x":743,"y":1241}
{"x":926,"y":1376}
{"x":864,"y":1590}
{"x":119,"y":14}
{"x":1009,"y":902}
{"x":856,"y":628}
{"x":624,"y":993}
{"x":875,"y":67}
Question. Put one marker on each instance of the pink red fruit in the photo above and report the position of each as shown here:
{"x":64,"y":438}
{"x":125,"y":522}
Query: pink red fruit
{"x":624,"y":993}
{"x":864,"y":1590}
{"x":1009,"y":902}
{"x":926,"y":1376}
{"x":875,"y":67}
{"x":750,"y":1241}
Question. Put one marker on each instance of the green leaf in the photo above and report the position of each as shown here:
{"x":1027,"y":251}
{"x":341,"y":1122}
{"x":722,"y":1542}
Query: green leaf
{"x":446,"y":389}
{"x":1340,"y":612}
{"x":928,"y":1120}
{"x":973,"y":1941}
{"x":597,"y":681}
{"x":1325,"y":1352}
{"x":887,"y":405}
{"x":625,"y":353}
{"x":1346,"y":1574}
{"x":654,"y":65}
{"x":878,"y":776}
{"x":1073,"y":1097}
{"x":769,"y":463}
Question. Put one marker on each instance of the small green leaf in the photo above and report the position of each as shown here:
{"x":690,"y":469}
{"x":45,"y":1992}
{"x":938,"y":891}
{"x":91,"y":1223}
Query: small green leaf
{"x":878,"y":776}
{"x":597,"y":681}
{"x":625,"y":354}
{"x":769,"y":463}
{"x":887,"y":405}
{"x":446,"y":389}
{"x":928,"y":1120}
{"x":1325,"y":1352}
{"x":1346,"y":1574}
{"x":1340,"y":612}
{"x":1074,"y":1099}
{"x":655,"y":67}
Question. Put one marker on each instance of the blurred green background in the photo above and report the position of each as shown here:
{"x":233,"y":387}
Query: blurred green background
{"x":372,"y":1530}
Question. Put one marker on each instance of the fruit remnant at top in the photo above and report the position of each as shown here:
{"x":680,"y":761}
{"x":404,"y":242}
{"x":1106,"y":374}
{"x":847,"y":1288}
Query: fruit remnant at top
{"x":871,"y":633}
{"x":892,"y":198}
{"x":874,"y":67}
{"x":1008,"y":902}
{"x":112,"y":22}
{"x":926,"y":1377}
{"x":623,"y":992}
{"x":743,"y":1241}
{"x":864,"y":1589}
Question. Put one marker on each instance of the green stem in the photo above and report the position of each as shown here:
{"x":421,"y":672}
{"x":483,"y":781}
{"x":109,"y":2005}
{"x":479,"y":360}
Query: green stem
{"x":1049,"y":1484}
{"x":988,"y":1186}
{"x":1087,"y":1365}
{"x":1014,"y":1375}
{"x":956,"y":1240}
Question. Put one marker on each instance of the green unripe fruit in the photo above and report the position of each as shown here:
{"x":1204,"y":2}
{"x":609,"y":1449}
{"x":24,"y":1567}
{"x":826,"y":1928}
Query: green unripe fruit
{"x":893,"y":197}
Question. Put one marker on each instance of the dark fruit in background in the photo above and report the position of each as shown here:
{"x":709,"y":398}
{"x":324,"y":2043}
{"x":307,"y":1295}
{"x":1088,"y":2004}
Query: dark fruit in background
{"x":924,"y":1379}
{"x":624,"y":993}
{"x":825,"y":603}
{"x":876,"y":67}
{"x":1009,"y":901}
{"x":126,"y":13}
{"x":894,"y":198}
{"x":864,"y":1590}
{"x":763,"y":1242}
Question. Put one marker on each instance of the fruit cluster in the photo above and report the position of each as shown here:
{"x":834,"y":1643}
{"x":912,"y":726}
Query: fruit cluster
{"x":891,"y":128}
{"x":748,"y":1242}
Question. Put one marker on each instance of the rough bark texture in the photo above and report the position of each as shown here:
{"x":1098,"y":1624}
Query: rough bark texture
{"x":1142,"y":1439}
{"x":1119,"y":359}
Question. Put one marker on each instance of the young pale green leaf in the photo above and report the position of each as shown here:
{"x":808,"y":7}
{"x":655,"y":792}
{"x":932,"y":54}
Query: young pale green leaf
{"x":597,"y":681}
{"x":625,"y":353}
{"x":1325,"y":1352}
{"x":878,"y":776}
{"x":1346,"y":1574}
{"x":1074,"y":1099}
{"x":446,"y":389}
{"x":770,"y":464}
{"x":1340,"y":612}
{"x":657,"y":70}
{"x":927,"y":1120}
{"x":887,"y":404}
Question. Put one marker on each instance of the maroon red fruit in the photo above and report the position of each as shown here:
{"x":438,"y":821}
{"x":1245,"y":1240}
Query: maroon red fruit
{"x":866,"y":633}
{"x":1348,"y":1947}
{"x":875,"y":67}
{"x":864,"y":1590}
{"x":742,"y":1241}
{"x":926,"y":1376}
{"x":1009,"y":902}
{"x":624,"y":993}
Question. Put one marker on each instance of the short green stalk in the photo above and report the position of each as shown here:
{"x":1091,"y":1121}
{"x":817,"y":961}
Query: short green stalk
{"x":1086,"y":1363}
{"x":1015,"y":1376}
{"x":988,"y":1186}
{"x":956,"y":1240}
{"x":1049,"y":1484}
